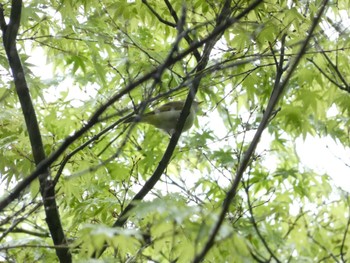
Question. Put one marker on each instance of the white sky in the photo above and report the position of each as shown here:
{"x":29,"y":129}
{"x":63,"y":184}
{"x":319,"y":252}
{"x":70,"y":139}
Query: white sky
{"x":323,"y":155}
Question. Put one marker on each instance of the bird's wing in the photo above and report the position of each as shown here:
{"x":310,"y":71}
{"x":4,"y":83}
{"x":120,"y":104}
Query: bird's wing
{"x":173,"y":105}
{"x":170,"y":106}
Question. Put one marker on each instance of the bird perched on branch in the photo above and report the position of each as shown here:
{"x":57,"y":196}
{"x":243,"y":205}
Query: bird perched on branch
{"x":166,"y":116}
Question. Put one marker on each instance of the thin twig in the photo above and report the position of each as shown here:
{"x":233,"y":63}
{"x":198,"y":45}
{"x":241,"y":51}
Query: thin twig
{"x":154,"y":12}
{"x":255,"y":225}
{"x":342,"y":247}
{"x":277,"y":91}
{"x":96,"y":115}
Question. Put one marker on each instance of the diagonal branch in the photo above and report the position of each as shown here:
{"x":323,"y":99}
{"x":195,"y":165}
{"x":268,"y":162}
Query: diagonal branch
{"x":335,"y":69}
{"x":255,"y":224}
{"x":96,"y":116}
{"x":203,"y":61}
{"x":187,"y":37}
{"x":47,"y":189}
{"x":276,"y":94}
{"x":174,"y":139}
{"x":343,"y":242}
{"x":16,"y":222}
{"x":150,"y":183}
{"x":154,"y":12}
{"x":326,"y":75}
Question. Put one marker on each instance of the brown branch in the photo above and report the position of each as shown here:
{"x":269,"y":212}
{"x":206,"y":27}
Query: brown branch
{"x":255,"y":224}
{"x":330,"y":254}
{"x":150,"y":183}
{"x":47,"y":189}
{"x":17,"y":221}
{"x":33,"y":246}
{"x":68,"y":141}
{"x":203,"y":61}
{"x":154,"y":12}
{"x":82,"y":146}
{"x":326,"y":75}
{"x":16,"y":213}
{"x":25,"y":231}
{"x":95,"y":117}
{"x":342,"y":247}
{"x":277,"y":91}
{"x":257,"y":259}
{"x":189,"y":40}
{"x":336,"y":69}
{"x":294,"y":224}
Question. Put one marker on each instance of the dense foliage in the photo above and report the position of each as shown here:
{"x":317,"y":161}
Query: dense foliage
{"x":131,"y":193}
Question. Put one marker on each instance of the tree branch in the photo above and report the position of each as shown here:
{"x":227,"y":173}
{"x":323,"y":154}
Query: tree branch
{"x":189,"y":40}
{"x":151,"y":182}
{"x":25,"y":231}
{"x":331,"y":255}
{"x":203,"y":61}
{"x":47,"y":189}
{"x":342,"y":247}
{"x":95,"y":117}
{"x":255,"y":224}
{"x":157,"y":15}
{"x":276,"y":93}
{"x":326,"y":75}
{"x":18,"y":221}
{"x":335,"y":68}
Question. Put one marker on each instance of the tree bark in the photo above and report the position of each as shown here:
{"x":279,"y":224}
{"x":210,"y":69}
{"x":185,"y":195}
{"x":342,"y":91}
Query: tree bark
{"x":47,"y":188}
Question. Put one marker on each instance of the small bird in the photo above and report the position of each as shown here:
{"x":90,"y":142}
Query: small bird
{"x":166,"y":116}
